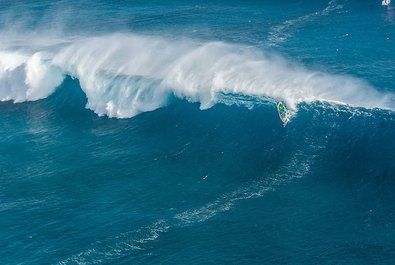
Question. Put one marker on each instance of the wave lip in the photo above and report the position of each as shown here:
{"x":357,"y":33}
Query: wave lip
{"x":123,"y":75}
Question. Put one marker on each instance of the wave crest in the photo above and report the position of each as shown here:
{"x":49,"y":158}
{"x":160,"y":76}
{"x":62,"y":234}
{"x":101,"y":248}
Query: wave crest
{"x":123,"y":75}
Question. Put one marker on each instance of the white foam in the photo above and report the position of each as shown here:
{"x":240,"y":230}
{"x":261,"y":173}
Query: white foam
{"x":123,"y":75}
{"x":26,"y":78}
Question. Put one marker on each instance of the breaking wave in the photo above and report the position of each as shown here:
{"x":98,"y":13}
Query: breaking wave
{"x":123,"y":75}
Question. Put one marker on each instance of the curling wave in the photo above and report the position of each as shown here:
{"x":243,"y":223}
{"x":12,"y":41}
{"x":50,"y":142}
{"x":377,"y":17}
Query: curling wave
{"x":123,"y":75}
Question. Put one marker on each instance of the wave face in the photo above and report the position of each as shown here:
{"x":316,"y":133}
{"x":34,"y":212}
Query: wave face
{"x":106,"y":156}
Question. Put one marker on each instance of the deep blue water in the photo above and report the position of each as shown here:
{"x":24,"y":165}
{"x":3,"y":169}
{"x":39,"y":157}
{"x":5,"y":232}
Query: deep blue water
{"x":147,"y":133}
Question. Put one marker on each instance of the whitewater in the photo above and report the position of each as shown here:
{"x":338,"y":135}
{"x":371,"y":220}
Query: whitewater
{"x":123,"y":75}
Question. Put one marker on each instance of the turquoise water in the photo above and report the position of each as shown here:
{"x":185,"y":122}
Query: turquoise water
{"x":147,"y":133}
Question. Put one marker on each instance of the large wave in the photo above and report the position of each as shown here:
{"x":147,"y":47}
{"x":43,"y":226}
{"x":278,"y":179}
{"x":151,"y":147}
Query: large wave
{"x":123,"y":75}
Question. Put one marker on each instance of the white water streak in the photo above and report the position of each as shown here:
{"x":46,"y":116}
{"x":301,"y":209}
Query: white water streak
{"x":128,"y":243}
{"x":281,"y":33}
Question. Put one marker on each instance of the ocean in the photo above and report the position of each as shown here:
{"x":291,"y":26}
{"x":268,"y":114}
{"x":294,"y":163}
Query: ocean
{"x":136,"y":132}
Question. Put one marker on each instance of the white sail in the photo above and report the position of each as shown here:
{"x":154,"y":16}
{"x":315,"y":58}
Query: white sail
{"x":386,"y":2}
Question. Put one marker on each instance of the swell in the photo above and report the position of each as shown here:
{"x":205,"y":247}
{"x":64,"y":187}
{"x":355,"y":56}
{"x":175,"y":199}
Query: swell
{"x":123,"y":75}
{"x":301,"y":149}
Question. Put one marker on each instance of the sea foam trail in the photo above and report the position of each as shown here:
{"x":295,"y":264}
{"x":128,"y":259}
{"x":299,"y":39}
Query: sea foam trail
{"x":297,"y":166}
{"x":282,"y":32}
{"x":123,"y":75}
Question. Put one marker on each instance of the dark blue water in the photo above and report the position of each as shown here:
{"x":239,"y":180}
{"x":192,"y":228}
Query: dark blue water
{"x":147,"y":133}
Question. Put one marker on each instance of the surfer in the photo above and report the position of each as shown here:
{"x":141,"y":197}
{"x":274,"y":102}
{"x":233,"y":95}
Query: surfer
{"x":283,"y":113}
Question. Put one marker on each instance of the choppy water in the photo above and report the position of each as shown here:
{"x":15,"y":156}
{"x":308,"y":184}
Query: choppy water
{"x":147,"y":133}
